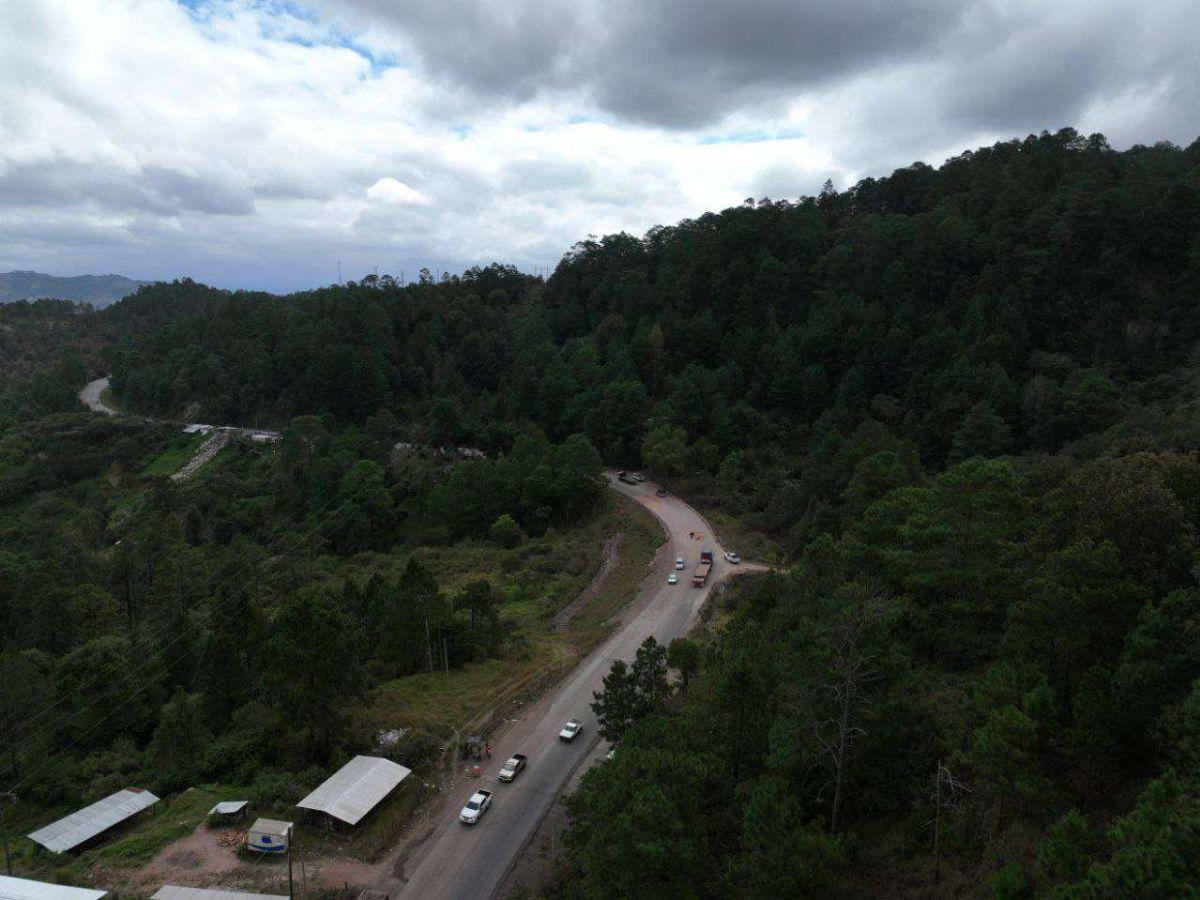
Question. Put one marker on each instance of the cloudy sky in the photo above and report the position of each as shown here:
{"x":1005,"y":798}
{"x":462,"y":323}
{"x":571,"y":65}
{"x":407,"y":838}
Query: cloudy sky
{"x":255,"y":143}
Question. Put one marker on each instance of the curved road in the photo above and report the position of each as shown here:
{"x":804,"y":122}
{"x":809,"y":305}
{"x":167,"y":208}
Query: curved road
{"x":89,"y":396}
{"x":90,"y":393}
{"x":469,"y":863}
{"x":461,"y":863}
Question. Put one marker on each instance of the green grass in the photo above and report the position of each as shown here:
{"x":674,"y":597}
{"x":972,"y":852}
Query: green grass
{"x":538,"y":582}
{"x":444,"y":702}
{"x":175,"y":817}
{"x":109,"y":399}
{"x":643,"y":536}
{"x":128,"y":848}
{"x":753,"y":546}
{"x":171,"y":460}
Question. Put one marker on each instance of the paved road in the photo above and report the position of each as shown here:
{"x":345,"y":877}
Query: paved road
{"x":90,"y":393}
{"x":90,"y":396}
{"x":461,"y":863}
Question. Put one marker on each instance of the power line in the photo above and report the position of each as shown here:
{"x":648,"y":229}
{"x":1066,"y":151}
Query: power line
{"x":29,"y":740}
{"x":149,"y":663}
{"x":55,"y":728}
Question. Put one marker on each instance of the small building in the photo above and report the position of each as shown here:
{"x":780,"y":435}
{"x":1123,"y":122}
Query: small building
{"x":229,"y":811}
{"x":80,"y":827}
{"x":24,"y":889}
{"x":175,"y":892}
{"x":269,"y":836}
{"x":356,"y":788}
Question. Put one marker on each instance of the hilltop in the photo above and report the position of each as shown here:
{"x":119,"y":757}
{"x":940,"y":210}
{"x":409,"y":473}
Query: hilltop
{"x":98,"y":290}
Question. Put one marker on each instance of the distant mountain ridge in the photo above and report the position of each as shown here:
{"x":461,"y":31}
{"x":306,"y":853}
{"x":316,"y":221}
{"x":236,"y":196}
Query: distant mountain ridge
{"x":98,"y":290}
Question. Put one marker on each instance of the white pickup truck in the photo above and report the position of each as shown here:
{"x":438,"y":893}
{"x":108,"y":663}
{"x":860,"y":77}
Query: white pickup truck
{"x":480,"y":802}
{"x":570,"y":730}
{"x":513,"y":767}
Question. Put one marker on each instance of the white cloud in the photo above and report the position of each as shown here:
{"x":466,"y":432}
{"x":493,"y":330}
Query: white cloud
{"x":250,"y":143}
{"x":389,"y":190}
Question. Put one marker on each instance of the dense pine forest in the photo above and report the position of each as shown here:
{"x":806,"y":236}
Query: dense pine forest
{"x":960,"y":401}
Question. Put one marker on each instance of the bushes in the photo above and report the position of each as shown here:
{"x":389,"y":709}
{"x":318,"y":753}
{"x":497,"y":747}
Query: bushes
{"x":506,"y":532}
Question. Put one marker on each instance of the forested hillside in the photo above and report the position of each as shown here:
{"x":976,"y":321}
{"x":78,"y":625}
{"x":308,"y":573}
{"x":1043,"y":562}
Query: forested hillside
{"x":96,"y":290}
{"x":248,"y":625}
{"x":963,"y":401}
{"x":1034,"y":296}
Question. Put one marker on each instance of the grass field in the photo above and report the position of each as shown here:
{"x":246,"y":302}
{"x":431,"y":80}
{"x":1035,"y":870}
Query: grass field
{"x":537,"y":581}
{"x":171,"y":460}
{"x":129,"y":847}
{"x":752,"y":545}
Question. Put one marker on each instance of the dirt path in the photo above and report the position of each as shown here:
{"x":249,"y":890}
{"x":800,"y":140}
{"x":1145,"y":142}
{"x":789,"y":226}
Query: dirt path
{"x":612,"y":556}
{"x":204,"y":453}
{"x":200,"y":860}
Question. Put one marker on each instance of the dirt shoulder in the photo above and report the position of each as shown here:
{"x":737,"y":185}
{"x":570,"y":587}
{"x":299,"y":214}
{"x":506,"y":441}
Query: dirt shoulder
{"x":607,"y":599}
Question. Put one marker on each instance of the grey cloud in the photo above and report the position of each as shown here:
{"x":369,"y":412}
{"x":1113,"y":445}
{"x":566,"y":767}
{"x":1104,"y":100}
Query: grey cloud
{"x":1019,"y":75}
{"x":511,"y":47}
{"x":200,"y":193}
{"x":64,"y":182}
{"x":525,"y":176}
{"x":59,"y":182}
{"x":987,"y":65}
{"x":678,"y":65}
{"x":674,"y":63}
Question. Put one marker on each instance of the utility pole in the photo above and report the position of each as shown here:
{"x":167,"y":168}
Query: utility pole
{"x":937,"y":824}
{"x":445,"y":656}
{"x":428,"y":645}
{"x":6,"y":797}
{"x":290,"y":836}
{"x":339,"y":271}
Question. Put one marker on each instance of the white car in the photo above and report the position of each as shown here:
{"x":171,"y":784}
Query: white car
{"x":679,"y":563}
{"x":570,"y":730}
{"x":480,"y":802}
{"x":513,"y":767}
{"x":672,"y":578}
{"x":733,"y":557}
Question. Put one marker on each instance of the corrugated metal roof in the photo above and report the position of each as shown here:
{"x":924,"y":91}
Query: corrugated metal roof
{"x":175,"y":892}
{"x":24,"y":889}
{"x":271,"y":826}
{"x":228,"y":807}
{"x":356,"y":788}
{"x":90,"y":821}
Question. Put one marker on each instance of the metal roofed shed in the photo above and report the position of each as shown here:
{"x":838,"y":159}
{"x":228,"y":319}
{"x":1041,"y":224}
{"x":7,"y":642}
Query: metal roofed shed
{"x":229,"y":810}
{"x":175,"y":892}
{"x":356,"y":788}
{"x":269,"y":836}
{"x":80,"y":827}
{"x":24,"y":889}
